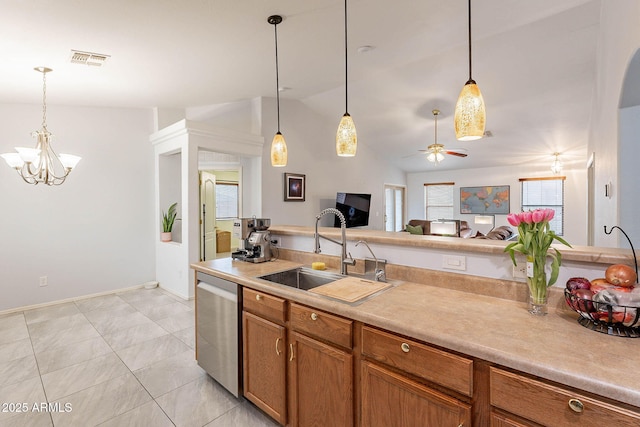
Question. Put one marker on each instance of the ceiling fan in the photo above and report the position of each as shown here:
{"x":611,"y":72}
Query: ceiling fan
{"x":435,"y":152}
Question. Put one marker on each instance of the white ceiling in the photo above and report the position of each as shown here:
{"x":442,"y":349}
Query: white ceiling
{"x":533,"y":60}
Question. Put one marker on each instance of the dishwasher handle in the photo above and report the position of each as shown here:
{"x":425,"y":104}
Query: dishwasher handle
{"x":218,"y":291}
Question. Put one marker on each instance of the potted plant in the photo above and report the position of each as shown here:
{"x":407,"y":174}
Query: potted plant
{"x":168,"y":219}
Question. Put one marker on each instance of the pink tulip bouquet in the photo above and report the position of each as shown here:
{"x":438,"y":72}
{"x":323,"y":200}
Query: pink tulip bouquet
{"x":534,"y":241}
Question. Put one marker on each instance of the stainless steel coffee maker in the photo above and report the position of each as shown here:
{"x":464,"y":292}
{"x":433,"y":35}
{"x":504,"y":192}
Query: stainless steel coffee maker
{"x":255,"y":243}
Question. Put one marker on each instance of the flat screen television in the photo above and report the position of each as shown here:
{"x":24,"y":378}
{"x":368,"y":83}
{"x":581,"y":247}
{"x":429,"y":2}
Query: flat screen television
{"x":354,"y":207}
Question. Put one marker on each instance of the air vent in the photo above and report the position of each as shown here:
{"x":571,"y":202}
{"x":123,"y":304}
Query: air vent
{"x":88,"y":58}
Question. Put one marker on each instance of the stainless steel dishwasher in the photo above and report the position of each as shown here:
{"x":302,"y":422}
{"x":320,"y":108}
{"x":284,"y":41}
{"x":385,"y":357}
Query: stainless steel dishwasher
{"x":218,"y":340}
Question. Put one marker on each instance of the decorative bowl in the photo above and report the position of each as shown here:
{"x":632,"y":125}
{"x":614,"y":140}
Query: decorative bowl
{"x":611,"y":319}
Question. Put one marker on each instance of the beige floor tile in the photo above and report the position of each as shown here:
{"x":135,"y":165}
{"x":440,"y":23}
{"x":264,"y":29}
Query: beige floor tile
{"x":15,"y":333}
{"x":139,"y":294}
{"x":18,"y":370}
{"x":177,"y":322}
{"x":97,"y":404}
{"x":197,"y":403}
{"x":243,"y":415}
{"x":63,"y":338}
{"x":113,"y":324}
{"x":101,"y":302}
{"x":152,"y":301}
{"x":170,"y":373}
{"x":50,"y":312}
{"x":58,"y":358}
{"x":28,"y":419}
{"x":29,"y":391}
{"x":46,"y":327}
{"x":8,"y":321}
{"x":146,"y":415}
{"x":151,"y":351}
{"x":134,"y":335}
{"x":101,"y":314}
{"x":187,"y":336}
{"x":66,"y":381}
{"x":15,"y":350}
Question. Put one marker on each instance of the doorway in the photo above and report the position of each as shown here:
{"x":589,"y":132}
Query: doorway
{"x":207,"y":216}
{"x":394,"y":207}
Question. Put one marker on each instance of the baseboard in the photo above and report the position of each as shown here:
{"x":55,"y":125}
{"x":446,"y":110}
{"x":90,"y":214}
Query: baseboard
{"x":47,"y":304}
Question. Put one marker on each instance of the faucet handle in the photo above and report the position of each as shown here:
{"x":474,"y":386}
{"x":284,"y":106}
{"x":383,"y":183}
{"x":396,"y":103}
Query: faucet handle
{"x":349,"y":260}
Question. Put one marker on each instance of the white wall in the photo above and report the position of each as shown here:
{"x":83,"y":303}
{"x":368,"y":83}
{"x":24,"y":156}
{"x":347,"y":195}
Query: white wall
{"x":311,"y":147}
{"x":618,"y":41}
{"x":629,"y":175}
{"x":95,"y":232}
{"x":575,"y":218}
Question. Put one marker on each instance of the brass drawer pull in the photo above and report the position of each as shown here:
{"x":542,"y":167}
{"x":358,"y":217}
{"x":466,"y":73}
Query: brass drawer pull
{"x":258,"y":297}
{"x":290,"y":352}
{"x":314,"y":316}
{"x":576,"y":406}
{"x":405,"y":347}
{"x":277,"y":346}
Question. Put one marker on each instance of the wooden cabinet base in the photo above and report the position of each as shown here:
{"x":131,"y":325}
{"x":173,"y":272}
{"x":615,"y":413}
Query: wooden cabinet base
{"x":391,"y":400}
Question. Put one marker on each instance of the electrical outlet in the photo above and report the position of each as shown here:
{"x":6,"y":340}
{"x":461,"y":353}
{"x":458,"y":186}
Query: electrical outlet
{"x":43,"y":281}
{"x":520,"y":271}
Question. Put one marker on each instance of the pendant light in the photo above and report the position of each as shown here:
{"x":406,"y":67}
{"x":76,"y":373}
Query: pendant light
{"x":346,"y":137}
{"x":556,"y":166}
{"x":278,"y":145}
{"x":470,"y":113}
{"x":42,"y":164}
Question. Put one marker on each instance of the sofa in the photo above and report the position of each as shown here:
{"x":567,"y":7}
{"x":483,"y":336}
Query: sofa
{"x":503,"y":232}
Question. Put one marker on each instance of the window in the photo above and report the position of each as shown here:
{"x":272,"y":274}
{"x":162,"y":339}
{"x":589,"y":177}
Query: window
{"x":545,"y":193}
{"x":226,"y":200}
{"x":439,"y":200}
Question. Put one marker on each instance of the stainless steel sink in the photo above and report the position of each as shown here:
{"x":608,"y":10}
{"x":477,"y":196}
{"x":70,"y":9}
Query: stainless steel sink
{"x":302,"y":278}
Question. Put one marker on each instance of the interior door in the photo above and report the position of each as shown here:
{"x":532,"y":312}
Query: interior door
{"x":394,"y":208}
{"x":207,"y":215}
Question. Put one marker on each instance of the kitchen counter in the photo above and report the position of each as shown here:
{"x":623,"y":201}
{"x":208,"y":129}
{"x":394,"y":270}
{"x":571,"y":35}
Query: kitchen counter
{"x":498,"y":330}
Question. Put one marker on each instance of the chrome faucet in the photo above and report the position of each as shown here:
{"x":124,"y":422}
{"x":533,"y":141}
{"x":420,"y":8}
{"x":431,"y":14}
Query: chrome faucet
{"x":379,"y":273}
{"x":344,"y":261}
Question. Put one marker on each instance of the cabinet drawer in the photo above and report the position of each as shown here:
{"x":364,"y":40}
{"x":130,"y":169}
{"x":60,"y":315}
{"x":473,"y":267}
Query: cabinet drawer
{"x":265,"y":305}
{"x":435,"y":365}
{"x":322,"y":325}
{"x":551,"y":405}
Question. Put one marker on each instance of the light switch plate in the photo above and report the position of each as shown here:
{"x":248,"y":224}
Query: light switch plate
{"x":454,"y":262}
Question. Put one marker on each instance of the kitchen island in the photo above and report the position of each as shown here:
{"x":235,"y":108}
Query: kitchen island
{"x":497,"y":331}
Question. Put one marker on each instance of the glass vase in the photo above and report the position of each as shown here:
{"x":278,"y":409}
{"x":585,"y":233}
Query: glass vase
{"x":538,"y":291}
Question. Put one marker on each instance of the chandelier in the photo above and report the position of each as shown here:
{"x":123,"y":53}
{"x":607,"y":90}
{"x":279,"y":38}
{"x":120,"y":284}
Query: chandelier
{"x":556,"y":166}
{"x":42,"y":164}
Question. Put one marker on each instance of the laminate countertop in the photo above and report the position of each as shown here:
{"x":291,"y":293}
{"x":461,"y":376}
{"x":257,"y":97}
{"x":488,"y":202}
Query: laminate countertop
{"x":554,"y":347}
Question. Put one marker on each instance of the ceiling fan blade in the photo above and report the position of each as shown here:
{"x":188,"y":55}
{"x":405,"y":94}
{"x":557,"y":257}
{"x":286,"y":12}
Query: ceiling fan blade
{"x":455,"y":153}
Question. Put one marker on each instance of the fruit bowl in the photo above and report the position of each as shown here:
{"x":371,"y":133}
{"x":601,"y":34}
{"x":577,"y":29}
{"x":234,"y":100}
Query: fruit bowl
{"x":611,"y":319}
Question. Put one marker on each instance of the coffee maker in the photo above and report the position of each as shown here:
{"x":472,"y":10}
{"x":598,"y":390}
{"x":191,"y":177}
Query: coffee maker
{"x":255,"y":244}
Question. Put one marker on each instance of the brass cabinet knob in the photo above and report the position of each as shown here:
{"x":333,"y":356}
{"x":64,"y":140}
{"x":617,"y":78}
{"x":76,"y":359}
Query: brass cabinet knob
{"x":258,"y":297}
{"x":314,"y":316}
{"x":576,"y":406}
{"x":405,"y":347}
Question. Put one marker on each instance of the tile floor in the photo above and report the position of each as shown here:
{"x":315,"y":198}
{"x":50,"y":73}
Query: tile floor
{"x":125,"y":359}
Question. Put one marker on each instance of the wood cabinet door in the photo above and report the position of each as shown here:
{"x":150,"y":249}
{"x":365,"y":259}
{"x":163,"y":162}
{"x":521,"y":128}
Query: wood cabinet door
{"x":265,"y":352}
{"x":391,"y":400}
{"x":321,"y":383}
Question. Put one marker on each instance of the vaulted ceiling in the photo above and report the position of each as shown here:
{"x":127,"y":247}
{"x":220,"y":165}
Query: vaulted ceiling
{"x":534,"y":61}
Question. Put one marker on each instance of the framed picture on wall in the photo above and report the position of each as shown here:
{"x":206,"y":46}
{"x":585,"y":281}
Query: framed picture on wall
{"x":493,"y":200}
{"x":294,"y":187}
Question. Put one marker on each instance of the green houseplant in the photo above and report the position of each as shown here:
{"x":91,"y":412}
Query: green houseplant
{"x":168,"y":218}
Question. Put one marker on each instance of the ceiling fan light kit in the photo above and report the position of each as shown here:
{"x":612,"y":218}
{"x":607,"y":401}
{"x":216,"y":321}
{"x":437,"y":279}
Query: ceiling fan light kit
{"x":346,"y":136}
{"x":436,"y":151}
{"x":279,"y":154}
{"x":470,"y":115}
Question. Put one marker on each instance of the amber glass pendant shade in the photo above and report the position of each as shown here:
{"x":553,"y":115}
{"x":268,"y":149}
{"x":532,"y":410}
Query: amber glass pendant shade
{"x":278,"y":151}
{"x":470,"y":116}
{"x":346,"y":137}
